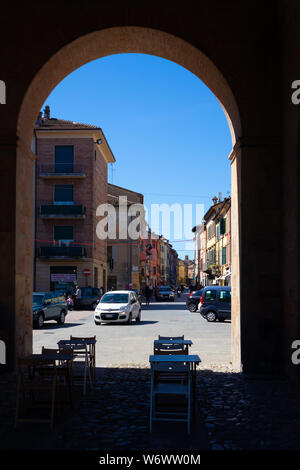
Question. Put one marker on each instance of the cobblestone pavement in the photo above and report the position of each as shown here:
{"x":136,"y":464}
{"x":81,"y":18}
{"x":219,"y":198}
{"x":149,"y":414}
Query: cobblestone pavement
{"x":235,"y":412}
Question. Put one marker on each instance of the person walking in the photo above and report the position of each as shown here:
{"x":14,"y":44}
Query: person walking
{"x":77,"y":296}
{"x":147,"y":295}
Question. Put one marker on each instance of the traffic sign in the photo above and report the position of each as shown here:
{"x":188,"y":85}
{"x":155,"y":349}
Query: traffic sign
{"x":86,"y":272}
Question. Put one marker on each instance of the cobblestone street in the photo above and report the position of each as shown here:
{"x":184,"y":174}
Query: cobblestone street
{"x":234,"y":412}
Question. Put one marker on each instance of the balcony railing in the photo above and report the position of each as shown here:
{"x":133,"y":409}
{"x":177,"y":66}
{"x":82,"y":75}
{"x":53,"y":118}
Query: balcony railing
{"x":62,"y":211}
{"x":69,"y":252}
{"x":62,"y":170}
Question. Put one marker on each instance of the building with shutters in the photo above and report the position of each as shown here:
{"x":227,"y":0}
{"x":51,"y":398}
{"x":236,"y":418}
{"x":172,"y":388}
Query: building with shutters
{"x":70,"y":183}
{"x":213,"y":244}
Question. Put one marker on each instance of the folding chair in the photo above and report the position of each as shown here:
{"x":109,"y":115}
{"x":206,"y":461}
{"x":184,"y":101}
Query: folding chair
{"x":164,"y":349}
{"x":32,"y":383}
{"x":171,"y":348}
{"x":80,"y":356}
{"x":91,"y":351}
{"x":170,"y":389}
{"x":170,"y":337}
{"x":64,"y":369}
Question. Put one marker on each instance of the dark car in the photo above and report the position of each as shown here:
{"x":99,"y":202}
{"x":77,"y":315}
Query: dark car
{"x":164,"y":293}
{"x":49,"y":306}
{"x":215,"y":303}
{"x":193,"y":300}
{"x":90,"y":297}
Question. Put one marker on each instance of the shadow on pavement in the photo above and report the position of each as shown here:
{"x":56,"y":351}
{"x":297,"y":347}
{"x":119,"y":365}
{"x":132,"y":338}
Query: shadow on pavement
{"x":55,"y":326}
{"x":114,"y":415}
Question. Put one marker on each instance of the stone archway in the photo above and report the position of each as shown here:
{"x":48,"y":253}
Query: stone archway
{"x":77,"y":53}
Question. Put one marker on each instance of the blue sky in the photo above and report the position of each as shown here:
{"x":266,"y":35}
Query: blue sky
{"x":167,"y":131}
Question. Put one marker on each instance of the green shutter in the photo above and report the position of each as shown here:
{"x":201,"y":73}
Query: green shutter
{"x":224,"y":255}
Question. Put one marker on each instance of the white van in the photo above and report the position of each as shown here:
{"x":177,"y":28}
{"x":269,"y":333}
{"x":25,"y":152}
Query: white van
{"x":118,"y":306}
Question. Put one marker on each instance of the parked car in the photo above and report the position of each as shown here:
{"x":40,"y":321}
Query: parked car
{"x":215,"y":303}
{"x":90,"y":297}
{"x":164,"y":293}
{"x":118,"y":306}
{"x":193,"y":300}
{"x":49,"y":306}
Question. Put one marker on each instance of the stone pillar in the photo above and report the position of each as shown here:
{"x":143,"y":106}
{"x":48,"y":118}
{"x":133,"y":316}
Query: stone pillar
{"x":25,"y":207}
{"x":235,"y":158}
{"x":7,"y":248}
{"x":16,"y":249}
{"x":257,"y":311}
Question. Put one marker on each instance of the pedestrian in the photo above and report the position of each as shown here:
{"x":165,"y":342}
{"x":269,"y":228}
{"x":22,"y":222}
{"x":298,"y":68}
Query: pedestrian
{"x":70,"y":302}
{"x":147,"y":294}
{"x":77,"y":296}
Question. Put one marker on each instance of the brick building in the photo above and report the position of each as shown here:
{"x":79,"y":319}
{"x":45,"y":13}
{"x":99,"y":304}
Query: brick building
{"x":123,"y":255}
{"x":71,"y":181}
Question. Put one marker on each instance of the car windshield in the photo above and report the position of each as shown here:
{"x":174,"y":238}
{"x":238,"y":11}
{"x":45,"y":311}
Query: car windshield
{"x":37,"y":299}
{"x":114,"y":298}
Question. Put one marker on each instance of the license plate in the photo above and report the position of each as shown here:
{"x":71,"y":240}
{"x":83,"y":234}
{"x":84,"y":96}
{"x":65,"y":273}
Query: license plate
{"x":109,"y":316}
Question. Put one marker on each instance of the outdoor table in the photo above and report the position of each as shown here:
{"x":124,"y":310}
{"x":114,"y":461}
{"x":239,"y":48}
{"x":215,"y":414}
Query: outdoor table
{"x":43,"y":359}
{"x":192,"y":359}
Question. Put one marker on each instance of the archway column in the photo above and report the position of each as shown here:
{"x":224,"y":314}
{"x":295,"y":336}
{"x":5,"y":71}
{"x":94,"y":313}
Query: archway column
{"x":16,"y":246}
{"x":257,"y":318}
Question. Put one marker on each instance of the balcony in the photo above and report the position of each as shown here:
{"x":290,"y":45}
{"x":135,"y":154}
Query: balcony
{"x":62,"y":211}
{"x":62,"y":171}
{"x":61,"y":252}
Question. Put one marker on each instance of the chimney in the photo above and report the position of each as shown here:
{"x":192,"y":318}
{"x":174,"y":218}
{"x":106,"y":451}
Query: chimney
{"x":47,"y":112}
{"x":220,"y":197}
{"x":215,"y":200}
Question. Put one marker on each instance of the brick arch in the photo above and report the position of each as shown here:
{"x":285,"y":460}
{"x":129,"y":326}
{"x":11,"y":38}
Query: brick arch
{"x":124,"y":40}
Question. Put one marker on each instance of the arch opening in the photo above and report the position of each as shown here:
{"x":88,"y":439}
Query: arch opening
{"x":78,"y":53}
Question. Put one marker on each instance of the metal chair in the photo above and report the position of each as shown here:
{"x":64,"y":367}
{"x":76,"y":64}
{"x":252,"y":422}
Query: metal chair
{"x":64,"y":368}
{"x":169,"y":349}
{"x":80,"y":356}
{"x":91,"y":351}
{"x":178,"y":386}
{"x":35,"y":378}
{"x":170,"y":337}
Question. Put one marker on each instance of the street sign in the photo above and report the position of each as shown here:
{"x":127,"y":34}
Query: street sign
{"x":86,"y":272}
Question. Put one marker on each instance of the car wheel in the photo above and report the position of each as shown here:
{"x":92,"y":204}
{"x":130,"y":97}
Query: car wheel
{"x":62,"y":317}
{"x":192,"y":308}
{"x":138,"y":318}
{"x":94,"y":305}
{"x":211,"y":316}
{"x":40,"y":321}
{"x":129,"y":321}
{"x":97,"y":323}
